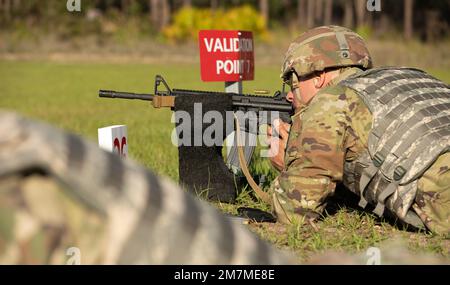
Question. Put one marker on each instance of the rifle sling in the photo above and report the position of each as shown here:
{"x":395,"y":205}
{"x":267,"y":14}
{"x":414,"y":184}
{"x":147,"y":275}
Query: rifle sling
{"x":260,"y":193}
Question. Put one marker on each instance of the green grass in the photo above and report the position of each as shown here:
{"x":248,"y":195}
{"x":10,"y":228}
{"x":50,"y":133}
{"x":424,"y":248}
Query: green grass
{"x":66,"y":95}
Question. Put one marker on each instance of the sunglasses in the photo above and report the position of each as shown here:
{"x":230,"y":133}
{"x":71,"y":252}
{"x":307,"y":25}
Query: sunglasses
{"x":288,"y":79}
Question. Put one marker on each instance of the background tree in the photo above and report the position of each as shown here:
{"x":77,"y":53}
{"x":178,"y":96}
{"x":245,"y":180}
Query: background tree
{"x":165,"y":13}
{"x":214,"y":4}
{"x":310,"y":13}
{"x":187,"y":3}
{"x":422,"y":19}
{"x":154,"y":5}
{"x":348,"y":14}
{"x":5,"y":6}
{"x":408,"y":18}
{"x":301,"y":13}
{"x":264,"y":9}
{"x":360,"y":9}
{"x":318,"y":12}
{"x":328,"y":12}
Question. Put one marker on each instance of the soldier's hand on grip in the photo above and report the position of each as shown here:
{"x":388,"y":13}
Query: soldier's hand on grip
{"x":277,"y":136}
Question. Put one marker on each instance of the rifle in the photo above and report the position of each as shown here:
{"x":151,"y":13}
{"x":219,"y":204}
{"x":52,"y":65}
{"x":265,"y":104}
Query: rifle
{"x":197,"y":159}
{"x":244,"y":102}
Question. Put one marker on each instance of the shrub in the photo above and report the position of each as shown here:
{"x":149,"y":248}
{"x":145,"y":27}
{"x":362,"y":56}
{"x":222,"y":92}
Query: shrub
{"x":188,"y":21}
{"x":364,"y":31}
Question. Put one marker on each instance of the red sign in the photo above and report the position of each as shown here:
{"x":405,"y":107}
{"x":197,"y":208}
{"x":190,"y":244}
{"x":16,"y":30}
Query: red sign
{"x":226,"y":55}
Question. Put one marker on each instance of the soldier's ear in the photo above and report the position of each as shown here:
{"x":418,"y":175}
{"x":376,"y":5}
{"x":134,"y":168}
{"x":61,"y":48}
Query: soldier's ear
{"x":319,"y":80}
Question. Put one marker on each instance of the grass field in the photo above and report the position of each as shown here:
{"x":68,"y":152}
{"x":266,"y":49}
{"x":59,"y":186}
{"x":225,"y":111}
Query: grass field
{"x":66,"y":95}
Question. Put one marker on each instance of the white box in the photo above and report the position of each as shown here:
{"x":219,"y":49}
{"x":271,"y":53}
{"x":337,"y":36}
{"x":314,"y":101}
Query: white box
{"x":114,"y":139}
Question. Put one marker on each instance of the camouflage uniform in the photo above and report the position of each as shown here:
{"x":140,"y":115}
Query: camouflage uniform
{"x":333,"y":129}
{"x":39,"y":223}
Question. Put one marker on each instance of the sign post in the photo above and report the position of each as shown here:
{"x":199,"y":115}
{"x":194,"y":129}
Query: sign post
{"x":228,"y":56}
{"x":233,"y":87}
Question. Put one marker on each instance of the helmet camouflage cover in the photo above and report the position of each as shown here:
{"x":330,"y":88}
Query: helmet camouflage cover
{"x":325,"y":47}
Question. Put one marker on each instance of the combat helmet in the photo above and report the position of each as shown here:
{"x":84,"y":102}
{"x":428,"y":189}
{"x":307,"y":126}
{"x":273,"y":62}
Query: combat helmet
{"x":325,"y":47}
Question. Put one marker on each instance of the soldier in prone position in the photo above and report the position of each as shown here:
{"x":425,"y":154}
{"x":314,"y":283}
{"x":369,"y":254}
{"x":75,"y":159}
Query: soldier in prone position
{"x":383,"y":132}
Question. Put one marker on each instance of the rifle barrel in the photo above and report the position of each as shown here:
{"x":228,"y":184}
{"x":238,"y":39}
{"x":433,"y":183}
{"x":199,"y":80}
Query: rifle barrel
{"x":267,"y":106}
{"x":124,"y":95}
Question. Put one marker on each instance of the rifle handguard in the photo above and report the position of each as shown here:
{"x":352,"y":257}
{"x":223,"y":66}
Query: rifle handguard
{"x":163,"y":101}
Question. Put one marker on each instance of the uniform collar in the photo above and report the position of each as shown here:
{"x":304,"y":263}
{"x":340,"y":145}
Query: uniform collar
{"x":344,"y":75}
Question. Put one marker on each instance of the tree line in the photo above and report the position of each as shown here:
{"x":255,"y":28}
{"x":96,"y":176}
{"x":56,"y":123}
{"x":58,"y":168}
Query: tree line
{"x":424,"y":19}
